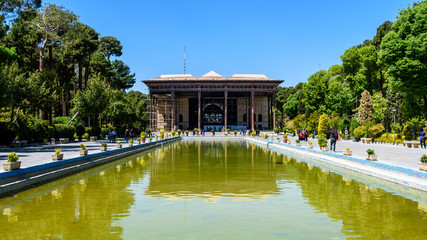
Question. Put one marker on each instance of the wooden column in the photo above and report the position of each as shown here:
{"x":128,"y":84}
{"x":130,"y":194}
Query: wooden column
{"x":225,"y":108}
{"x":252,"y":109}
{"x":199,"y":110}
{"x":273,"y":106}
{"x":173,"y":110}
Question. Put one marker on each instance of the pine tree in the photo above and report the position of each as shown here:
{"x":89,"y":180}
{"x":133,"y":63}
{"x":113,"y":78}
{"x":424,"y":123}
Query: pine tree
{"x":365,"y":109}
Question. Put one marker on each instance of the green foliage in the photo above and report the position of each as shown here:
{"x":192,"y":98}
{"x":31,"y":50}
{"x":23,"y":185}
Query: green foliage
{"x":12,"y":157}
{"x":104,"y":132}
{"x":315,"y":92}
{"x":61,"y":120}
{"x":376,"y":131}
{"x":322,"y":141}
{"x":9,"y":55}
{"x":277,"y":130}
{"x":39,"y":131}
{"x":370,"y":152}
{"x":58,"y":150}
{"x":360,"y":132}
{"x":423,"y":159}
{"x":323,"y":124}
{"x":131,"y":140}
{"x":353,"y":124}
{"x":103,"y":145}
{"x":403,"y":51}
{"x":64,"y":131}
{"x":297,"y":141}
{"x":7,"y":132}
{"x":82,"y":146}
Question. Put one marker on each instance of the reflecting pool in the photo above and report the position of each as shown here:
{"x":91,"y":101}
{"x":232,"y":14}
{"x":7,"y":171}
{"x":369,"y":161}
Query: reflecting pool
{"x":210,"y":190}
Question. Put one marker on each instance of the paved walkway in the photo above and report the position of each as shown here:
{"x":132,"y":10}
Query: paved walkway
{"x":387,"y":154}
{"x":36,"y":154}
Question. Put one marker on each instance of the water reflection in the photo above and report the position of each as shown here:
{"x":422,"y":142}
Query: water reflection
{"x":207,"y":177}
{"x":73,"y":208}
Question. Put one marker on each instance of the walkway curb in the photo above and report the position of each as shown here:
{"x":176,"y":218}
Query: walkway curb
{"x":25,"y":178}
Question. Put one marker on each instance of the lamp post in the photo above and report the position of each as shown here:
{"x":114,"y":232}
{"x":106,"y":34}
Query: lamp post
{"x":394,"y":120}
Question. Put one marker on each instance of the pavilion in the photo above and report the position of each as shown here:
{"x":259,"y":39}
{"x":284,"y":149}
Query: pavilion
{"x":212,"y":101}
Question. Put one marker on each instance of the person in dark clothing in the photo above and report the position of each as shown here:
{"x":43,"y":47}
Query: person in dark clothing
{"x":422,"y":138}
{"x":213,"y":132}
{"x":333,"y":136}
{"x":305,"y":135}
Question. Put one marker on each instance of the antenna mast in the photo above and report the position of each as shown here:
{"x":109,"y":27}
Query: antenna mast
{"x":185,"y":68}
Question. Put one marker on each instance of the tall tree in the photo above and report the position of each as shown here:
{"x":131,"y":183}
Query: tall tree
{"x":403,"y":50}
{"x":122,"y":78}
{"x":111,"y":46}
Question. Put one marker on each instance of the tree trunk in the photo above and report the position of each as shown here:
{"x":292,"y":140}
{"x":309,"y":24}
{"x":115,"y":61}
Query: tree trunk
{"x":80,"y":75}
{"x":87,"y":72}
{"x":100,"y":121}
{"x":381,"y":82}
{"x":50,"y":56}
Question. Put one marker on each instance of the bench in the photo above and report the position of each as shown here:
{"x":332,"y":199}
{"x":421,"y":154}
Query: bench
{"x":93,"y":138}
{"x":366,"y":140}
{"x":19,"y":144}
{"x":414,"y":144}
{"x":63,"y":140}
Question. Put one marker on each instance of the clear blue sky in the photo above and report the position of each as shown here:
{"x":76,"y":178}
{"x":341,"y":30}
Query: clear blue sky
{"x":283,"y":39}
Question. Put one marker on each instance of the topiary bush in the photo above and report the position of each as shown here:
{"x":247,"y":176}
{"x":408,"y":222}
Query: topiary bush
{"x":323,"y":124}
{"x":360,"y":132}
{"x":64,"y":131}
{"x":104,"y":131}
{"x":376,"y":131}
{"x":39,"y":131}
{"x":61,"y":120}
{"x":93,"y":131}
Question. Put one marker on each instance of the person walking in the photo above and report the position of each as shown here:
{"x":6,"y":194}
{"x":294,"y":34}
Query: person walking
{"x":127,"y":135}
{"x":110,"y":136}
{"x":333,"y":136}
{"x":114,"y":136}
{"x":305,"y":135}
{"x":422,"y":138}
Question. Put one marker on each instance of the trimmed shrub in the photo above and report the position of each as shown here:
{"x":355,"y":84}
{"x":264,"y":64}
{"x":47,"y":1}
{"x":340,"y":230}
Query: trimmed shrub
{"x":360,"y":132}
{"x":323,"y":124}
{"x":64,"y":131}
{"x":39,"y":131}
{"x":104,"y":131}
{"x":376,"y":131}
{"x":61,"y":120}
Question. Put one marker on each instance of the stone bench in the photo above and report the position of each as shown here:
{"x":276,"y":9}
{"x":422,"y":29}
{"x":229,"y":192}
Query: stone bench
{"x":366,"y":140}
{"x":63,"y":140}
{"x":93,"y":138}
{"x":19,"y":144}
{"x":414,"y":144}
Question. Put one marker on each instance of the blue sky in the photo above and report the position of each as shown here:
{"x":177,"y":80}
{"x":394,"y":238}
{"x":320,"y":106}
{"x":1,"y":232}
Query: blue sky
{"x":286,"y":40}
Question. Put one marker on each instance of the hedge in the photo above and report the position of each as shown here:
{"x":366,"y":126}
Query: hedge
{"x":64,"y":131}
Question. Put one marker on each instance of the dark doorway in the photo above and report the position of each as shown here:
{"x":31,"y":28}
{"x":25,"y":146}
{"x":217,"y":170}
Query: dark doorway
{"x":193,"y":105}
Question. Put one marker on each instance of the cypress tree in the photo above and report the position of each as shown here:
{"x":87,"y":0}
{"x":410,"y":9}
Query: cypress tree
{"x":366,"y":107}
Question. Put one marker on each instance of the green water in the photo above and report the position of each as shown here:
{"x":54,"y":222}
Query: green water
{"x":210,"y":190}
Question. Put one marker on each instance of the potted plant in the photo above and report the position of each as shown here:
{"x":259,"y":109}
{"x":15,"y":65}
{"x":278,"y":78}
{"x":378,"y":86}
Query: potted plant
{"x":143,"y":135}
{"x":131,"y":142}
{"x":371,"y":155}
{"x":119,"y":144}
{"x":298,"y":142}
{"x":156,"y":137}
{"x":138,"y":140}
{"x":289,"y":141}
{"x":179,"y":132}
{"x":323,"y":143}
{"x":162,"y":134}
{"x":278,"y":139}
{"x":310,"y":144}
{"x":235,"y":132}
{"x":186,"y":133}
{"x":150,"y":139}
{"x":285,"y":138}
{"x":12,"y":162}
{"x":173,"y":133}
{"x":347,"y":151}
{"x":103,"y":147}
{"x":57,"y":155}
{"x":271,"y":137}
{"x":422,"y":165}
{"x":83,"y":150}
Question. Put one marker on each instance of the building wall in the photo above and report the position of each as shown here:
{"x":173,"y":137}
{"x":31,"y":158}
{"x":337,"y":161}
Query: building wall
{"x":242,"y":109}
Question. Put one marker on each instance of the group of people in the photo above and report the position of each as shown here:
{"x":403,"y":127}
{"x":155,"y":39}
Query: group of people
{"x":303,"y":135}
{"x":112,"y":136}
{"x":129,"y":134}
